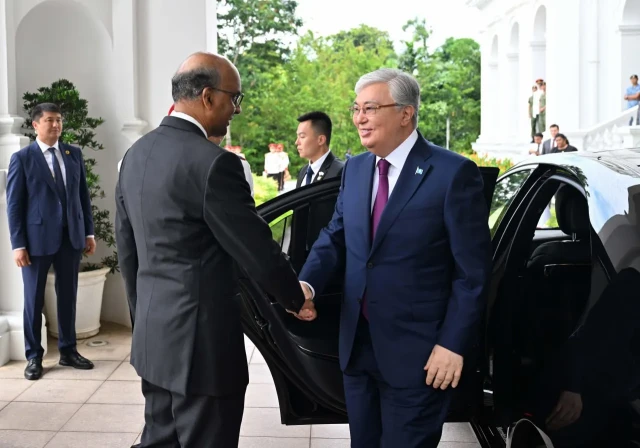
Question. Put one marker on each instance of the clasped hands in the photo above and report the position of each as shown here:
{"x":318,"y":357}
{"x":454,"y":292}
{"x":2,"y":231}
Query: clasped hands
{"x":308,"y":311}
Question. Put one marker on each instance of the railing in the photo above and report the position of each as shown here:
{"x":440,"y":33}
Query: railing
{"x":605,"y":135}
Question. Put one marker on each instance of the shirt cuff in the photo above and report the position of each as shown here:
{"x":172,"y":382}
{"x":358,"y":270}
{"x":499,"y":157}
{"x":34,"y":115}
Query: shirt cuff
{"x":21,"y":248}
{"x":313,"y":291}
{"x":90,"y":236}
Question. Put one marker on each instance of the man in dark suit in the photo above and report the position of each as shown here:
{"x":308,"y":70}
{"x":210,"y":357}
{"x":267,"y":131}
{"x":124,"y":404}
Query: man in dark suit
{"x":314,"y":138}
{"x":411,"y":228}
{"x":550,"y":144}
{"x":50,"y":222}
{"x":184,"y":215}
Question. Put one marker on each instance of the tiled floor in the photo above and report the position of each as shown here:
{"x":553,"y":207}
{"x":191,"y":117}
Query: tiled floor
{"x":103,"y":408}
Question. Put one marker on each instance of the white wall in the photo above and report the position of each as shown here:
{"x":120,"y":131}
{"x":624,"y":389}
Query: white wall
{"x":161,"y":49}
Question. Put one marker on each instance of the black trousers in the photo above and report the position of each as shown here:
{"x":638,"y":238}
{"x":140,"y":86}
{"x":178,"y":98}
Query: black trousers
{"x":195,"y":421}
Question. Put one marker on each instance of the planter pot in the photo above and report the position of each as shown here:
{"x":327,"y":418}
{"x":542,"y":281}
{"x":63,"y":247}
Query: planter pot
{"x":88,"y":306}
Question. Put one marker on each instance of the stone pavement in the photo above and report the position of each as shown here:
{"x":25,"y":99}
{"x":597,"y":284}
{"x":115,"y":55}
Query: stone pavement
{"x":104,"y":407}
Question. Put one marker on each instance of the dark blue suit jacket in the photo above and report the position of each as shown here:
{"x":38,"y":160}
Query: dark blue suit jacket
{"x":426,"y":272}
{"x":33,"y":205}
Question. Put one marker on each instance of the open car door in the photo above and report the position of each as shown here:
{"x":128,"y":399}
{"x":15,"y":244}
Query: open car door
{"x":303,"y":356}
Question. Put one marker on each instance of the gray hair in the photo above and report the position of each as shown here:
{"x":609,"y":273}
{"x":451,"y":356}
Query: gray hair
{"x":188,"y":85}
{"x":404,"y":88}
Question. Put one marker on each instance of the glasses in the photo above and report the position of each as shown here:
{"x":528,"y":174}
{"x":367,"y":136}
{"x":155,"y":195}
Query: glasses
{"x":236,"y":97}
{"x":371,"y":109}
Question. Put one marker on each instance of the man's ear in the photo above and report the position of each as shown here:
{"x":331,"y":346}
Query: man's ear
{"x":207,"y":98}
{"x":407,"y":113}
{"x":322,"y":139}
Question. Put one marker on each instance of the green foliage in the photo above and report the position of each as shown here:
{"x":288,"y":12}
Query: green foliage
{"x":283,"y":81}
{"x":481,"y":160}
{"x":78,"y":130}
{"x":264,"y":189}
{"x":320,"y":75}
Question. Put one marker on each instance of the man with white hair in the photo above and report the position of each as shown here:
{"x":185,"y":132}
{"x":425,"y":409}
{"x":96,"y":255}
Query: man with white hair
{"x":411,"y":229}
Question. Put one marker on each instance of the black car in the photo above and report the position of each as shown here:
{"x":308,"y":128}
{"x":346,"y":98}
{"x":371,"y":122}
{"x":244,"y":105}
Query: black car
{"x":562,"y":313}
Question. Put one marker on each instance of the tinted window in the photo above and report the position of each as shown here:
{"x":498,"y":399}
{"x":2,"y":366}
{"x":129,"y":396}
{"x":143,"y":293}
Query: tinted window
{"x":505,"y":191}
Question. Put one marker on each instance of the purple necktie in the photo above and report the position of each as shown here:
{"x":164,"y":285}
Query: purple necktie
{"x":382,"y":197}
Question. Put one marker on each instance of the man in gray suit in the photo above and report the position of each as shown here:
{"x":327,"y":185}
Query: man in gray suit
{"x":184,"y":215}
{"x":550,"y":143}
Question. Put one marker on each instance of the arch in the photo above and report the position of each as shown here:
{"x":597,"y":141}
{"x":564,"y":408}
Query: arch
{"x":494,"y":49}
{"x":630,"y":13}
{"x":514,"y":40}
{"x":27,"y":7}
{"x":540,"y":24}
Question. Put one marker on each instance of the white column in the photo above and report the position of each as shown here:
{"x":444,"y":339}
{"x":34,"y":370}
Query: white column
{"x":11,"y":290}
{"x":538,"y":60}
{"x":590,"y":110}
{"x":493,"y":101}
{"x":486,"y":92}
{"x":212,"y":25}
{"x":564,"y":98}
{"x":513,"y":94}
{"x":126,"y":58}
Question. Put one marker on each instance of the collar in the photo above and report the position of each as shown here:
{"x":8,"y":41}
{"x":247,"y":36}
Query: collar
{"x":398,"y":156}
{"x":44,"y":147}
{"x":315,"y":166}
{"x":190,"y":119}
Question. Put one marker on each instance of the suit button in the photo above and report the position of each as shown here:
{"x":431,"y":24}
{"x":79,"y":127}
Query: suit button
{"x":369,"y":265}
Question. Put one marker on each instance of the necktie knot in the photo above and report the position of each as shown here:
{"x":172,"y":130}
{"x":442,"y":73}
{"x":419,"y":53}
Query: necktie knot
{"x":52,"y":151}
{"x":383,"y":167}
{"x":309,"y":175}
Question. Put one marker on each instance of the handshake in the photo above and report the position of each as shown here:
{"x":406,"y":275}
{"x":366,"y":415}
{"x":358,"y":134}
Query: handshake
{"x":308,"y":311}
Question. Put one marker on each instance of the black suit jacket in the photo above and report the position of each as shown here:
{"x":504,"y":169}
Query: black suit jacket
{"x":331,"y":167}
{"x":184,"y":215}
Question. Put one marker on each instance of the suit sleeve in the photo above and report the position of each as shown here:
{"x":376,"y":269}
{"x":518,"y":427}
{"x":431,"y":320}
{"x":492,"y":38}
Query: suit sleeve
{"x":127,"y":251}
{"x":85,"y":199}
{"x":466,"y":221}
{"x":16,"y":202}
{"x":328,"y":251}
{"x":230,"y":213}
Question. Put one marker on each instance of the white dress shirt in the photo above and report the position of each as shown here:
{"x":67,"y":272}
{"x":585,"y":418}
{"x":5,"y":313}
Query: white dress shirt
{"x":315,"y":166}
{"x":49,"y":158}
{"x":396,"y":159}
{"x":190,"y":119}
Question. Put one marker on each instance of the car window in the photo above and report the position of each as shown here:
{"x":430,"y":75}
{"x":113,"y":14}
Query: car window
{"x":506,"y":190}
{"x":548,"y":218}
{"x":281,"y":230}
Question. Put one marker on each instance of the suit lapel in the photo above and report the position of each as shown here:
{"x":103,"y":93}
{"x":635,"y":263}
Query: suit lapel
{"x":364,"y":203}
{"x":69,"y":167}
{"x":413,"y":173}
{"x":325,"y":167}
{"x":42,"y":165}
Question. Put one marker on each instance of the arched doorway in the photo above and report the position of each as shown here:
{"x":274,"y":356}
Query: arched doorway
{"x":539,"y":45}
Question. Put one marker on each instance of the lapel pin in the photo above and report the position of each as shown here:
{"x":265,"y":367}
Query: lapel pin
{"x":67,"y":152}
{"x":419,"y":170}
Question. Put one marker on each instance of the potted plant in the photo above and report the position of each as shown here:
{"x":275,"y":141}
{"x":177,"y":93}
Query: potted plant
{"x":78,"y":130}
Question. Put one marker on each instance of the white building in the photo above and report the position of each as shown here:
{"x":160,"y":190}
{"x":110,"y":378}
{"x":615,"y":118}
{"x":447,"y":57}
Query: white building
{"x":585,"y":50}
{"x":121,"y":55}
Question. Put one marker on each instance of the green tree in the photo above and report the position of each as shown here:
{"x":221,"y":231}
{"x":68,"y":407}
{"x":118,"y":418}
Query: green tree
{"x":255,"y":35}
{"x":450,"y":82}
{"x":320,"y":75}
{"x":79,"y":130}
